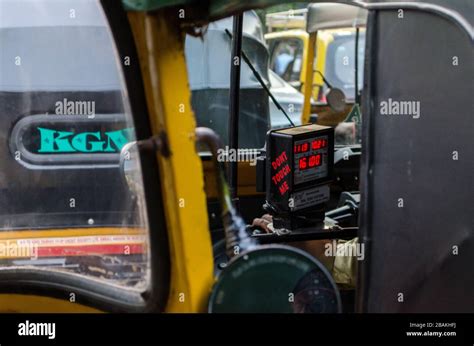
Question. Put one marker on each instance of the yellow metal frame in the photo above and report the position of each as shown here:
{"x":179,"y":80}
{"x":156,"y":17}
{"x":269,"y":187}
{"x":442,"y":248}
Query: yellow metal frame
{"x":160,"y":46}
{"x":308,"y":87}
{"x":22,"y":303}
{"x":315,"y":53}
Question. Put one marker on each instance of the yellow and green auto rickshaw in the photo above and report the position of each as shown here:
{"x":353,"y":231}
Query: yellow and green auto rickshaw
{"x":107,"y":182}
{"x":337,"y":27}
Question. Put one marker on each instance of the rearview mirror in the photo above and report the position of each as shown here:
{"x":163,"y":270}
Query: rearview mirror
{"x":336,"y":99}
{"x":129,"y":166}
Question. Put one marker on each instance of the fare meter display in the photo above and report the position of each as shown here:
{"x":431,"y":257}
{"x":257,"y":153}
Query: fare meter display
{"x":310,"y":159}
{"x":299,"y":167}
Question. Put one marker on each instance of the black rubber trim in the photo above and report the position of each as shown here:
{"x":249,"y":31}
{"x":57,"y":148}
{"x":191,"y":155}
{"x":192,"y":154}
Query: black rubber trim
{"x":62,"y":285}
{"x":157,"y":296}
{"x":365,"y":208}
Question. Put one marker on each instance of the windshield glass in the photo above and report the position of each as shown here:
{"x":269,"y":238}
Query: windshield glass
{"x":209,"y":79}
{"x":64,"y":119}
{"x":340,"y":61}
{"x":334,"y":66}
{"x":340,"y":72}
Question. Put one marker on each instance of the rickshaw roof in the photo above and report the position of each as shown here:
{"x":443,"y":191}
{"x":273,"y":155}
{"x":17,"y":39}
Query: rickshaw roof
{"x":210,"y":10}
{"x":322,"y":16}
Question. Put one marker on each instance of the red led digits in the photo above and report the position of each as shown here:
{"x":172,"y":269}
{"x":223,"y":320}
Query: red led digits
{"x":301,"y":148}
{"x":309,"y":162}
{"x":302,"y":163}
{"x":314,"y":160}
{"x":318,"y":144}
{"x":313,"y":145}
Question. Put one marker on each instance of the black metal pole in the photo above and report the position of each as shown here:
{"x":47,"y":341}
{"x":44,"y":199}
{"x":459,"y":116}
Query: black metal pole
{"x":356,"y":81}
{"x":234,"y":100}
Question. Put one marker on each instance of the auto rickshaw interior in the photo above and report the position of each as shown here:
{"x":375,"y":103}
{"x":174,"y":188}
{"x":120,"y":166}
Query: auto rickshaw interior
{"x":189,"y":157}
{"x":257,"y":182}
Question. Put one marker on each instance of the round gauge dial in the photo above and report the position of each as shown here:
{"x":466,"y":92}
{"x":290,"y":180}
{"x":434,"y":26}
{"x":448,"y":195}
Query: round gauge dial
{"x":275,"y":279}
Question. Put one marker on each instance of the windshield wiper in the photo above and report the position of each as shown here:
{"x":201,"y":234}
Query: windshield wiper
{"x":261,"y":81}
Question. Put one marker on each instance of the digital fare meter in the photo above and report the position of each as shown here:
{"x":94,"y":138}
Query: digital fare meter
{"x":299,"y":169}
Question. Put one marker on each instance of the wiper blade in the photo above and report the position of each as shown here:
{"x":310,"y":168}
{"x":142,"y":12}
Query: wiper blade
{"x":262,"y":82}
